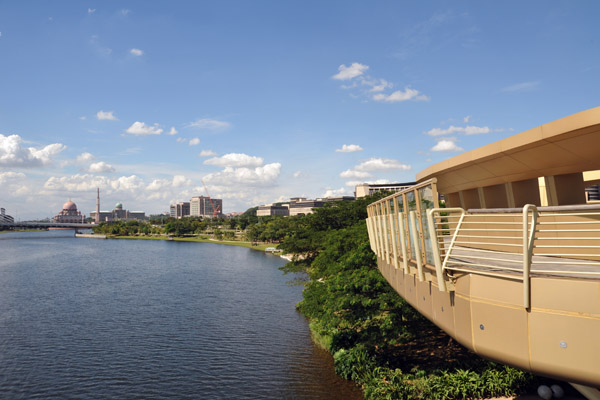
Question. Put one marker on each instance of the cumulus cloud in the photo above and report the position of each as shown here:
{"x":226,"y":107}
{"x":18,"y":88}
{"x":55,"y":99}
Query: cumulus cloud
{"x":381,"y":164}
{"x":194,"y":142}
{"x":87,"y":182}
{"x":399,"y":95}
{"x":162,"y":184}
{"x":85,"y":157}
{"x":136,"y":52}
{"x":259,"y":176}
{"x":236,"y":160}
{"x":352,"y":174}
{"x":140,"y":128}
{"x":467,"y":130}
{"x":100,"y":167}
{"x":349,"y":148}
{"x":209,"y":124}
{"x":173,"y":131}
{"x":352,"y":71}
{"x":10,"y":176}
{"x":207,"y":153}
{"x":106,"y":116}
{"x":446,"y":146}
{"x":373,"y":88}
{"x":335,"y":192}
{"x":13,"y":154}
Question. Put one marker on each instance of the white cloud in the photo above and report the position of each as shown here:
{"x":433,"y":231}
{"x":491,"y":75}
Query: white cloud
{"x":466,"y":119}
{"x":12,"y":154}
{"x":106,"y":115}
{"x":235,"y":160}
{"x":399,"y":95}
{"x":136,"y":52}
{"x":10,"y":176}
{"x":91,"y":10}
{"x":100,"y":167}
{"x":354,"y":70}
{"x":85,"y":157}
{"x":298,"y":174}
{"x":209,"y":124}
{"x":521,"y":87}
{"x":173,"y":131}
{"x":181,"y":140}
{"x":125,"y":11}
{"x":140,"y":128}
{"x":163,"y":184}
{"x":83,"y":118}
{"x":87,"y":182}
{"x":379,"y":86}
{"x":259,"y":176}
{"x":352,"y":174}
{"x":194,"y":142}
{"x":381,"y":164}
{"x":207,"y":153}
{"x":467,"y":130}
{"x":446,"y":146}
{"x":335,"y":192}
{"x":349,"y":148}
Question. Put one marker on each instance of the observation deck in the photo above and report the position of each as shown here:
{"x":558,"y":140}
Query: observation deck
{"x":510,"y":267}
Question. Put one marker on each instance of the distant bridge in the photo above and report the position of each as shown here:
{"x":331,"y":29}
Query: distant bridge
{"x":44,"y":225}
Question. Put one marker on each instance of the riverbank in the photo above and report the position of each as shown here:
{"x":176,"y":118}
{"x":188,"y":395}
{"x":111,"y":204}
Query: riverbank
{"x":250,"y":245}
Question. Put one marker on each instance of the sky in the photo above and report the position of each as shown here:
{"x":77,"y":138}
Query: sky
{"x":267,"y":100}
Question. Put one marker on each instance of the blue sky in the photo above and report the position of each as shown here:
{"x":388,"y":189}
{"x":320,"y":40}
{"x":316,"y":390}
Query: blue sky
{"x":266,"y":100}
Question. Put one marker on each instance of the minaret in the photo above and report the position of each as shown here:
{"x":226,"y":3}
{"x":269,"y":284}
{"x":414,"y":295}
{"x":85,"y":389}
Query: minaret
{"x":98,"y":207}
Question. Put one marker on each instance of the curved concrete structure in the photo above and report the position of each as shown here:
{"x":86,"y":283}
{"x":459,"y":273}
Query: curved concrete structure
{"x":511,"y":268}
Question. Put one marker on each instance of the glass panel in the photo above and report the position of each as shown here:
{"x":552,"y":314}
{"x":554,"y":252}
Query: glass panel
{"x":427,"y":202}
{"x":412,"y":205}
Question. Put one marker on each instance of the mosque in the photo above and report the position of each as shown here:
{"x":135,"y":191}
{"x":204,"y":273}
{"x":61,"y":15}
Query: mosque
{"x":69,"y":214}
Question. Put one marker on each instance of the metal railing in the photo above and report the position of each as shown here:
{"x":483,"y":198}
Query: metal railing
{"x":495,"y":243}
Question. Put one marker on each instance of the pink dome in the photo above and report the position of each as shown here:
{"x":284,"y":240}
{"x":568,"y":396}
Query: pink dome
{"x":69,"y":205}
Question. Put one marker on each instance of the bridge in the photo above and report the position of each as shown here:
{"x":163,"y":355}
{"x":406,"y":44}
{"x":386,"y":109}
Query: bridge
{"x":44,"y":225}
{"x":510,"y":265}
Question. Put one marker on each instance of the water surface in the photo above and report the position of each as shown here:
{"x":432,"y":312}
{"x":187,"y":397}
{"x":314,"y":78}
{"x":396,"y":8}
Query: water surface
{"x":90,"y":318}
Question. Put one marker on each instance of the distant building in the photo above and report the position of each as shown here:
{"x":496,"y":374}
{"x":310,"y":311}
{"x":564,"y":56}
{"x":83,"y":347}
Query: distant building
{"x":366,"y":189}
{"x":69,"y":214}
{"x":201,"y":206}
{"x":300,"y":205}
{"x":180,"y":210}
{"x":339,"y":198}
{"x":270,"y":210}
{"x":118,"y":214}
{"x":5,"y":218}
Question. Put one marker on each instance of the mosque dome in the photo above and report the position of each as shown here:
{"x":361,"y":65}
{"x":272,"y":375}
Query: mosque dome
{"x":69,"y":205}
{"x":118,"y":206}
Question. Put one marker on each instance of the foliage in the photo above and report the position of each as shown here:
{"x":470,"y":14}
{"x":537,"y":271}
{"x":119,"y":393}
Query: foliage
{"x":373,"y":334}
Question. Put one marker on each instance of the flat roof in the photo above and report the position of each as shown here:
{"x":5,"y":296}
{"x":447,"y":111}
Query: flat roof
{"x":567,"y":145}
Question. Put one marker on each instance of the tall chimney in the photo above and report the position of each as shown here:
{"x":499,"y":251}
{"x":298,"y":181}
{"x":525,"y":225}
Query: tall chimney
{"x":98,"y":207}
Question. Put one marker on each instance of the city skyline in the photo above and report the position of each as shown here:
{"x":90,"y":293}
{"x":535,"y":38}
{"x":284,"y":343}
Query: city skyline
{"x":265,"y":101}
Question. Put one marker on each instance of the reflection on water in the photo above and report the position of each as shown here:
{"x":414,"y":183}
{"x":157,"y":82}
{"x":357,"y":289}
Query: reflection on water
{"x":89,"y":318}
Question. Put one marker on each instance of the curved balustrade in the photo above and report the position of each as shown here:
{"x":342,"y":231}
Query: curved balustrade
{"x":517,"y":285}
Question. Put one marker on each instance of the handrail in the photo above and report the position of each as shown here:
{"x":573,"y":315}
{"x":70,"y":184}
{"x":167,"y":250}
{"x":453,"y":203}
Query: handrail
{"x":528,"y":238}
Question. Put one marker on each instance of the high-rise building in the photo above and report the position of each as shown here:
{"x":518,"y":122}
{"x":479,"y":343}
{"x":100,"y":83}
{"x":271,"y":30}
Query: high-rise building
{"x":201,"y":206}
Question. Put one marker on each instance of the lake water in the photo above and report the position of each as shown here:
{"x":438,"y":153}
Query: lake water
{"x":91,"y":319}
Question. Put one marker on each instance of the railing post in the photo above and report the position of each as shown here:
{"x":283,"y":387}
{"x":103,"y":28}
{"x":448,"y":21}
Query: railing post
{"x":394,"y":235}
{"x":458,"y":225}
{"x":435,"y":245}
{"x":413,"y":228}
{"x":528,"y":238}
{"x":402,"y":230}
